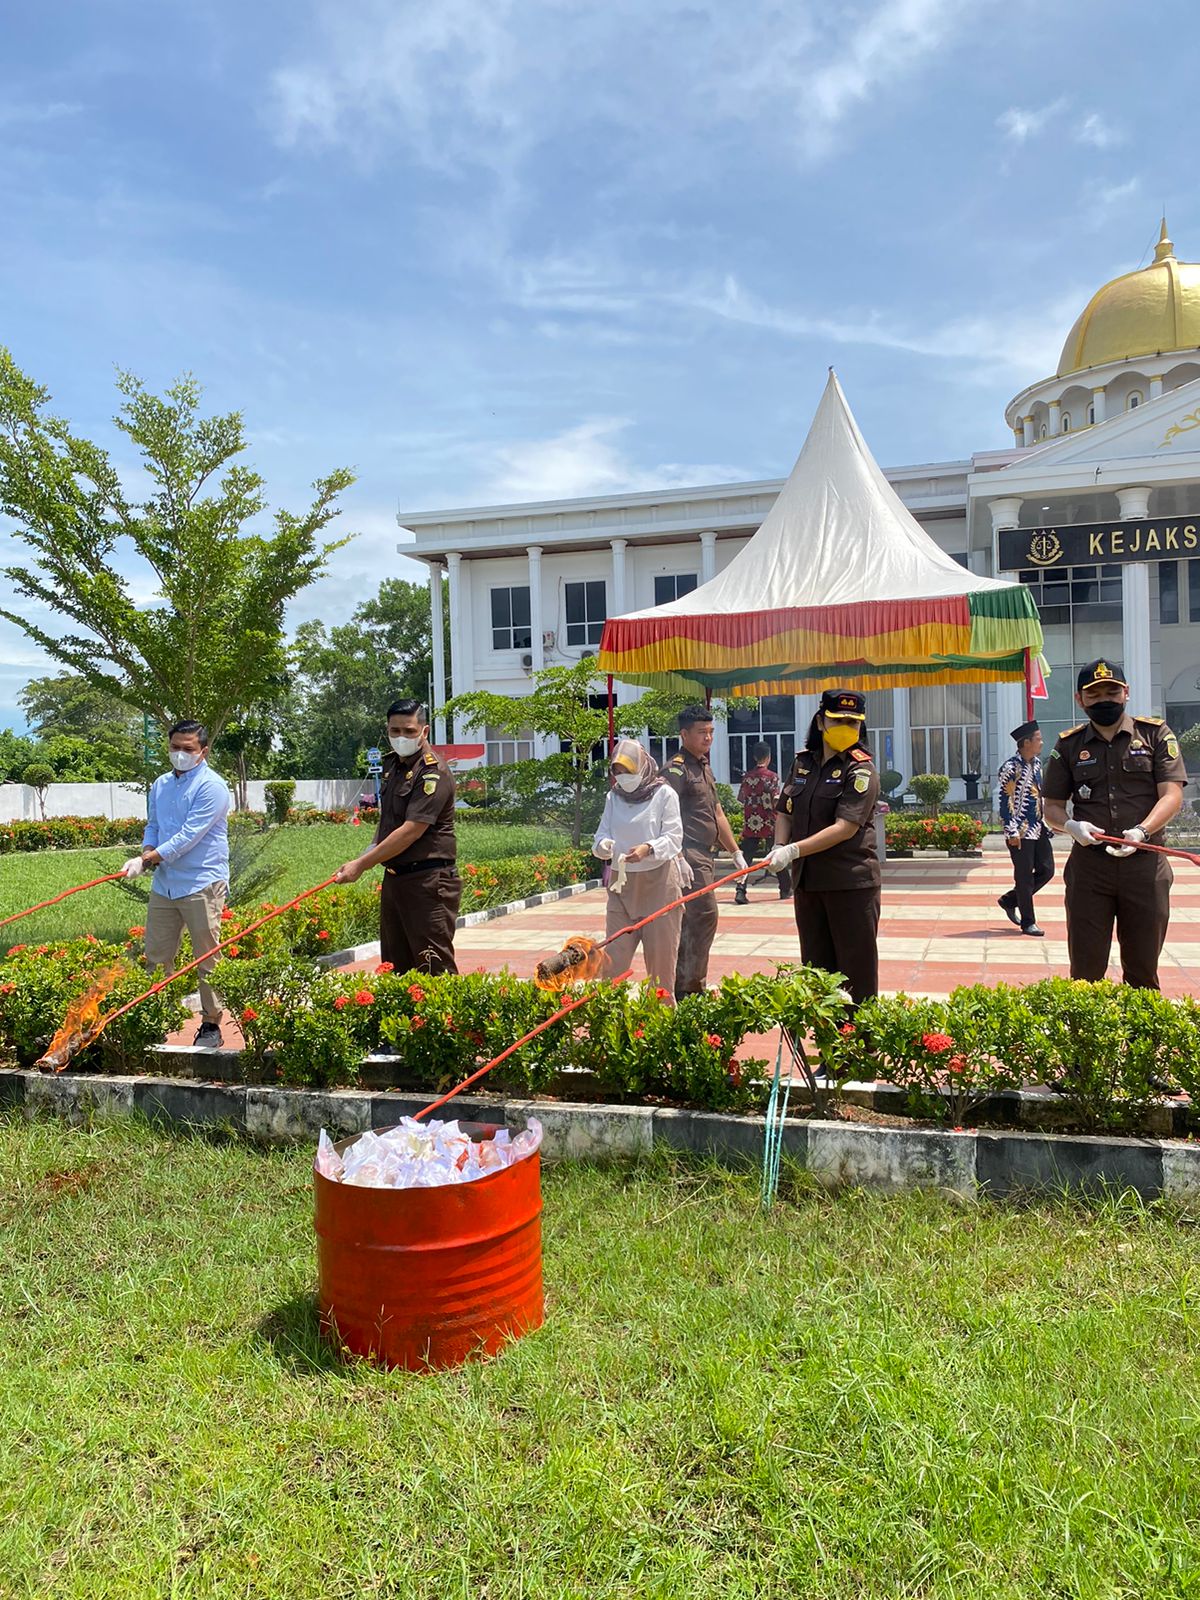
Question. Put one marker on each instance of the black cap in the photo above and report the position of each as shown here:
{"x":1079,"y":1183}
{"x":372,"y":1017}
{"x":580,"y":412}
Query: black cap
{"x":843,"y":703}
{"x":1101,"y":671}
{"x":1025,"y":731}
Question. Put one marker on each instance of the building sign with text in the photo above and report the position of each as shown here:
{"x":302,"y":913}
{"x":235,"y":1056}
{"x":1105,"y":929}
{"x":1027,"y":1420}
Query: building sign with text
{"x":1084,"y":543}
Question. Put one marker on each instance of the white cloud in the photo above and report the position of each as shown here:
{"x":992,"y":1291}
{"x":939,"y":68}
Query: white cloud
{"x":482,"y":82}
{"x":22,"y":113}
{"x":586,"y":460}
{"x":1023,"y":123}
{"x":1095,"y":131}
{"x":1099,"y":201}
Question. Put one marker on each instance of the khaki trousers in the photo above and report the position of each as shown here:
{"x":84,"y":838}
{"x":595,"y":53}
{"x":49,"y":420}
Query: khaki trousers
{"x":200,"y":914}
{"x":643,"y":893}
{"x":699,"y":928}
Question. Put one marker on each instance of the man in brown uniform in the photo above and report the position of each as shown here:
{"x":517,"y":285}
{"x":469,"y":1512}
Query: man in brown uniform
{"x":705,"y":825}
{"x":1124,"y":777}
{"x":415,"y":843}
{"x":825,"y":823}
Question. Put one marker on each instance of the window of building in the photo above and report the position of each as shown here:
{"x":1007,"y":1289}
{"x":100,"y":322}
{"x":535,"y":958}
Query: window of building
{"x":1066,"y":422}
{"x":1193,"y":574}
{"x":1134,"y":401}
{"x":673,"y":586}
{"x":1042,"y":431}
{"x":510,"y":619}
{"x":1091,"y":415}
{"x":961,"y":557}
{"x":773,"y":722}
{"x":587,"y":611}
{"x":499,"y":749}
{"x":1168,"y":591}
{"x":946,"y":723}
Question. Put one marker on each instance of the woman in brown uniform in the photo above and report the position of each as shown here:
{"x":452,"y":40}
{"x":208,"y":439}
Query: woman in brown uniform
{"x":825,"y":825}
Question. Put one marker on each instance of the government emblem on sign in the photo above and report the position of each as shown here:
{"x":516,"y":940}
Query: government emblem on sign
{"x":1045,"y":549}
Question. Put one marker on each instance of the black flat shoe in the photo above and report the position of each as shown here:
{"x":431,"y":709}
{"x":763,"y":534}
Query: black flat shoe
{"x":1010,"y":912}
{"x":1034,"y":932}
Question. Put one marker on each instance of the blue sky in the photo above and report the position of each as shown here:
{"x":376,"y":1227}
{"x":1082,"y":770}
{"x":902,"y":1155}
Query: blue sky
{"x":482,"y":250}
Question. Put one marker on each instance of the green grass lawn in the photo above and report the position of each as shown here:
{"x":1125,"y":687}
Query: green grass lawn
{"x":308,"y":855}
{"x":851,"y":1398}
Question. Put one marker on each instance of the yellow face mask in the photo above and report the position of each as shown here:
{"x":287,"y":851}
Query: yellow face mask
{"x":841,"y":735}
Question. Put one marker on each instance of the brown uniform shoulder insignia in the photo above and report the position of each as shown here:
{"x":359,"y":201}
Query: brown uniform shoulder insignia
{"x":430,"y":759}
{"x":1067,"y":732}
{"x":862,"y":756}
{"x":1155,"y":722}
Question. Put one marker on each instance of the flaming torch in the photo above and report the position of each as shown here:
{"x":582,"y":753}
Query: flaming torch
{"x":82,"y":1025}
{"x":579,"y":960}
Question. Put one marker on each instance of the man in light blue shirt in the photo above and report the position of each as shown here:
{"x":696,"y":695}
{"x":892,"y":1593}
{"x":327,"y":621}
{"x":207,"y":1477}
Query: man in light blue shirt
{"x":186,"y":843}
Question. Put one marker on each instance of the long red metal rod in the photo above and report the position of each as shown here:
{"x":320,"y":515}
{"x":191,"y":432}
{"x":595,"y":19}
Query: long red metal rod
{"x":562,"y":1011}
{"x":1158,"y":849}
{"x":78,"y":889}
{"x":232,"y":939}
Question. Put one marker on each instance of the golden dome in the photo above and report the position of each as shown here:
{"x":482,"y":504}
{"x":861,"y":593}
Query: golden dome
{"x":1141,"y":314}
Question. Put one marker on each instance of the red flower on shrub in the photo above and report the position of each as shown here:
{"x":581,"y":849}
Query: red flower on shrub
{"x":662,"y":994}
{"x":384,"y":966}
{"x":714,"y":1039}
{"x":17,"y":948}
{"x":323,"y":934}
{"x":234,"y":950}
{"x":137,"y":931}
{"x":364,"y":997}
{"x":226,"y":915}
{"x":639,"y":1033}
{"x":8,"y":988}
{"x":415,"y":993}
{"x":956,"y":1064}
{"x":847,"y":1029}
{"x":472,"y":869}
{"x":417,"y":1022}
{"x":249,"y":1014}
{"x":937,"y":1043}
{"x":342,"y":1001}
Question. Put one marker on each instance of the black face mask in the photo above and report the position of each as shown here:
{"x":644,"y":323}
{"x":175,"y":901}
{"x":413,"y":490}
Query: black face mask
{"x":1105,"y":713}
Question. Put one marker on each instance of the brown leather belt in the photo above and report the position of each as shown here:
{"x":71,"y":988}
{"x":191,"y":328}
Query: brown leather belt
{"x":416,"y":866}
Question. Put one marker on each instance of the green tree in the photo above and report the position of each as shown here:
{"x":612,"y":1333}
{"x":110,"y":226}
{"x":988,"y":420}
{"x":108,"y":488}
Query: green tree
{"x":86,"y":734}
{"x":212,"y":642}
{"x":16,"y":752}
{"x":39,"y":777}
{"x":344,"y":679}
{"x":558,"y":706}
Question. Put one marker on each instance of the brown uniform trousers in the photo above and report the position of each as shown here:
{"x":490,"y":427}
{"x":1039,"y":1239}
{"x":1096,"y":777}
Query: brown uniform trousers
{"x":839,"y":931}
{"x":699,"y":927}
{"x":417,"y":913}
{"x":643,"y":894}
{"x":1113,"y":783}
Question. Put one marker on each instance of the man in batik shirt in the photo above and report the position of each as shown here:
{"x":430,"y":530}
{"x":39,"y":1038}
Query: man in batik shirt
{"x":756,"y":796}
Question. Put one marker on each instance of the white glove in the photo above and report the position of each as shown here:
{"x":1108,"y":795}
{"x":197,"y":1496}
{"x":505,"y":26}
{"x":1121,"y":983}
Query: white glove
{"x":603,"y":849}
{"x":686,"y":875}
{"x":1138,"y":835}
{"x":617,"y":881}
{"x":739,"y":861}
{"x":1082,"y":832}
{"x":134,"y":867}
{"x":782,"y":857}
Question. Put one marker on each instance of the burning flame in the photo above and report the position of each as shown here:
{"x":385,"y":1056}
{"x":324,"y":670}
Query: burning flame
{"x":579,"y":960}
{"x":82,"y":1024}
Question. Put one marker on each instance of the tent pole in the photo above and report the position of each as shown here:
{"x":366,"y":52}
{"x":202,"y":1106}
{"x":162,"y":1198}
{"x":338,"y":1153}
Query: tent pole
{"x":1028,"y":684}
{"x":612,"y":720}
{"x":708,"y":699}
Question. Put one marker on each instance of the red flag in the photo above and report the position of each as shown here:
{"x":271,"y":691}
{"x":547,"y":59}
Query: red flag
{"x":1037,"y":680}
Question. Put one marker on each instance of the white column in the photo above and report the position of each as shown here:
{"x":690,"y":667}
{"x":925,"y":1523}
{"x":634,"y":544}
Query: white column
{"x":437,"y":629}
{"x":1099,"y":403}
{"x":537,"y":644}
{"x":458,"y":682}
{"x":1054,"y":418}
{"x":901,"y":734}
{"x":1018,"y":437}
{"x":1156,"y":387}
{"x":1134,"y":506}
{"x":1027,"y":430}
{"x":619,"y":547}
{"x":719,"y":754}
{"x":708,"y":555}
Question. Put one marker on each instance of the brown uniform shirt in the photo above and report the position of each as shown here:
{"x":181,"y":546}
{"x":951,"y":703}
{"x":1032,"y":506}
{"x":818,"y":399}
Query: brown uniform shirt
{"x":418,"y":788}
{"x":1114,"y":782}
{"x":845,"y":788}
{"x":692,"y":780}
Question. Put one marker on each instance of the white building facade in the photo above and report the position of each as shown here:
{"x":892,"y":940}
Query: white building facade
{"x":1109,"y":445}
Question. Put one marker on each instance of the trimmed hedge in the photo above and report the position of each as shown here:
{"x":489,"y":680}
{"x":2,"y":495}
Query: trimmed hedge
{"x":952,"y":830}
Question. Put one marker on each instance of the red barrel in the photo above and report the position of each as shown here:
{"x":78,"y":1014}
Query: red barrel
{"x":423,"y":1278}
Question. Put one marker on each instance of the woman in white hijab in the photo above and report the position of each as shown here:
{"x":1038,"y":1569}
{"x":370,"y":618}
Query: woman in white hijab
{"x":641,"y":833}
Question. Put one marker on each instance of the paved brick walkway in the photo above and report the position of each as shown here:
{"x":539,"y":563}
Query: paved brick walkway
{"x":940,"y":927}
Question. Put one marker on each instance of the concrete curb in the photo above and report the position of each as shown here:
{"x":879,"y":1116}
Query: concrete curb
{"x":838,"y":1154}
{"x":473,"y":919}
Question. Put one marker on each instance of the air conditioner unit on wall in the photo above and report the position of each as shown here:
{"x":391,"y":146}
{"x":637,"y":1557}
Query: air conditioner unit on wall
{"x":527,"y":662}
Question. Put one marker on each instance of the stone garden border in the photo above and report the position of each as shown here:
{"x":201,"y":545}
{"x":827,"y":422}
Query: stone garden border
{"x":472,"y":919}
{"x":970,"y":1163}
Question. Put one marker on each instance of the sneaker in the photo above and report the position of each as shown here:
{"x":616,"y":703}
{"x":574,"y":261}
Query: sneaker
{"x":208,"y":1036}
{"x":741,"y":898}
{"x":1033,"y":931}
{"x":1009,"y":911}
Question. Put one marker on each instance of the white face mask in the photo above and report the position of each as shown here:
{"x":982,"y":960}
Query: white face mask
{"x":185,"y":760}
{"x":629,"y":781}
{"x":405,"y":747}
